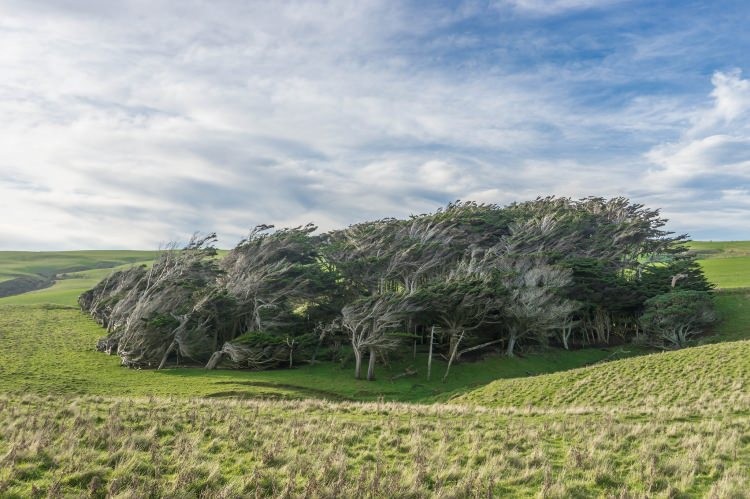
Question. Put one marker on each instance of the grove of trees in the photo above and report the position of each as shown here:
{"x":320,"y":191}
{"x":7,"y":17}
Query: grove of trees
{"x":468,"y":278}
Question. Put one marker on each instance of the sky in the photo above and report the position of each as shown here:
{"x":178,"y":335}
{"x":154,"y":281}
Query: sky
{"x":134,"y":123}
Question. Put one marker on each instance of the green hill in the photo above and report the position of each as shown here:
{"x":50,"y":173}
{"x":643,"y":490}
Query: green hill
{"x":708,"y":375}
{"x":59,"y":276}
{"x":49,"y":263}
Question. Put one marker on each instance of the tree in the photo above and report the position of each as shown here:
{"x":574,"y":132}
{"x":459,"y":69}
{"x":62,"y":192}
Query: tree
{"x":368,"y":322}
{"x":264,"y":272}
{"x":462,"y":299}
{"x":671,"y":319}
{"x":534,"y":305}
{"x":476,"y":273}
{"x":266,"y":275}
{"x":167,"y":309}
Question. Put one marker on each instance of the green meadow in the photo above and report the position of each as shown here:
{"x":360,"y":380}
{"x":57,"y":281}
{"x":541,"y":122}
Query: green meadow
{"x":616,"y":422}
{"x":727,"y":263}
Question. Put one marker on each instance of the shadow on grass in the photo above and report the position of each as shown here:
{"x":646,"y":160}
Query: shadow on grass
{"x":302,"y":390}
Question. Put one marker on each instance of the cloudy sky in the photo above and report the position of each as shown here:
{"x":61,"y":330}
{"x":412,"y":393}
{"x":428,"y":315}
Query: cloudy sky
{"x":129,"y":124}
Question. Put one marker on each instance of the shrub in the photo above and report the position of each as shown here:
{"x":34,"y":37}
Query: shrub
{"x":671,"y":319}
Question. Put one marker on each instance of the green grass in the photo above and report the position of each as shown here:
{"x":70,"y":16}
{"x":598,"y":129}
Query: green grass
{"x":64,"y":291}
{"x":50,"y":349}
{"x":95,"y":447}
{"x":733,"y":307}
{"x":726,"y":263}
{"x":728,"y":272}
{"x":705,"y":375}
{"x":720,"y":249}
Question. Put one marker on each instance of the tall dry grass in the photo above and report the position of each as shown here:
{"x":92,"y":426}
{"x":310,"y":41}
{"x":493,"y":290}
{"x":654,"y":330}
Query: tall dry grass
{"x":102,"y":447}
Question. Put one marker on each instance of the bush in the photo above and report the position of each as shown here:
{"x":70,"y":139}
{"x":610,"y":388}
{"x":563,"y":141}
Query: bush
{"x":671,"y":319}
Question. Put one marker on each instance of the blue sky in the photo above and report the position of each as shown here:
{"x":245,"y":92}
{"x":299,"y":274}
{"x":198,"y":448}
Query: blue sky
{"x":129,"y":124}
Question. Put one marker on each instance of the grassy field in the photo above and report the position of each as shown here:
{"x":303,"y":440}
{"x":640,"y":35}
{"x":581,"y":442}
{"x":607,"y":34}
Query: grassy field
{"x":733,"y":307}
{"x":75,"y":423}
{"x":98,"y":446}
{"x":720,"y":249}
{"x":65,"y":290}
{"x":59,"y":357}
{"x":728,"y":272}
{"x":726,"y":263}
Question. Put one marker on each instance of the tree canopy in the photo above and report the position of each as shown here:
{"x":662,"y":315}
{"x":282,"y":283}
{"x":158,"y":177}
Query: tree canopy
{"x":465,"y":278}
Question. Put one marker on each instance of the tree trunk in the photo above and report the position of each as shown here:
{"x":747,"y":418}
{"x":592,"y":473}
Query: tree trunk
{"x":429,"y":356}
{"x":371,"y":365}
{"x":477,"y":347}
{"x":357,"y":364}
{"x":291,"y":352}
{"x":453,"y":355}
{"x":565,"y":333}
{"x":214,"y":360}
{"x":511,"y":344}
{"x":317,"y":347}
{"x":166,"y":354}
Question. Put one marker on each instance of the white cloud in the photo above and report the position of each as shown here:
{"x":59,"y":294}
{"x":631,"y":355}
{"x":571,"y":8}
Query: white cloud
{"x":551,"y":7}
{"x":127,"y":124}
{"x":704,"y":176}
{"x":718,"y":140}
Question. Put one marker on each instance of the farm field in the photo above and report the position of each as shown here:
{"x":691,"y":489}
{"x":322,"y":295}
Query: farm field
{"x":73,"y":422}
{"x":726,"y":263}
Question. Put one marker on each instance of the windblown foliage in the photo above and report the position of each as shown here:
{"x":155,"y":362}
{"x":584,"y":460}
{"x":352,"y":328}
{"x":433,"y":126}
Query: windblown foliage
{"x":469,"y":277}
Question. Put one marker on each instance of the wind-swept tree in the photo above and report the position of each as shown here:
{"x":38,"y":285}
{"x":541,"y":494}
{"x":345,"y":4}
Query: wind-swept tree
{"x":163,"y":310}
{"x":369,"y":322}
{"x":535,"y":305}
{"x":267,"y":275}
{"x":579,"y":271}
{"x":462,"y":300}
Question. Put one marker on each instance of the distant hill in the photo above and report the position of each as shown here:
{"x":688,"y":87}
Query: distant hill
{"x":73,"y":272}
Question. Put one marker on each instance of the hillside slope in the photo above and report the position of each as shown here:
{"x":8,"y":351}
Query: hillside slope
{"x":36,"y":272}
{"x":700,"y":376}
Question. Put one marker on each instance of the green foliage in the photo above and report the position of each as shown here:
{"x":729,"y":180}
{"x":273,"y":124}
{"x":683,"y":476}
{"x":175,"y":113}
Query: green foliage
{"x":674,"y":318}
{"x":162,"y":321}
